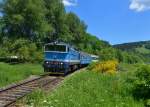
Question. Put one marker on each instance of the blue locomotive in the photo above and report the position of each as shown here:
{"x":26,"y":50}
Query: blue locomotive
{"x":61,"y":58}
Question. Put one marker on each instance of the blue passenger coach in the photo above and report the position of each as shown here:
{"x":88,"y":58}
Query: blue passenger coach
{"x":85,"y":59}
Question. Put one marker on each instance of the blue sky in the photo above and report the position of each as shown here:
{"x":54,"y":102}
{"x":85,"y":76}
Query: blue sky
{"x":116,"y":21}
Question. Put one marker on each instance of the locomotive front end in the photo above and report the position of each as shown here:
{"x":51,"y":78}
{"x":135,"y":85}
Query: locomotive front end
{"x":56,"y":58}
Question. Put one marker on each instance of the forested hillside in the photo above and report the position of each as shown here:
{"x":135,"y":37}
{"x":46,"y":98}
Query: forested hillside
{"x":25,"y":25}
{"x":138,"y":48}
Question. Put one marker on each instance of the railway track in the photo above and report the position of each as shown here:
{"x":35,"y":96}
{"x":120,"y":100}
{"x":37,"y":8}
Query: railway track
{"x":10,"y":95}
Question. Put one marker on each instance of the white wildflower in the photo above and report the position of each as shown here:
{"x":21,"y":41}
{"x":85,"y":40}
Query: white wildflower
{"x":44,"y":101}
{"x":56,"y":100}
{"x":102,"y":100}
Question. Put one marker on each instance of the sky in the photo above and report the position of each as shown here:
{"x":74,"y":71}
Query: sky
{"x":116,"y":21}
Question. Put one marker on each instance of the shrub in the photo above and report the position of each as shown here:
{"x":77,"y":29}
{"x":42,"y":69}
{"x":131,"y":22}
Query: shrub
{"x":105,"y":67}
{"x":147,"y":103}
{"x":142,"y":83}
{"x":91,"y":66}
{"x":26,"y":50}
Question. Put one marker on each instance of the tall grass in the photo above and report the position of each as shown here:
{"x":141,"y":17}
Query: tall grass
{"x":14,"y":73}
{"x":89,"y":89}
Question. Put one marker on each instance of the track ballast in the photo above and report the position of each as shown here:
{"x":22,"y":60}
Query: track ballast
{"x":10,"y":95}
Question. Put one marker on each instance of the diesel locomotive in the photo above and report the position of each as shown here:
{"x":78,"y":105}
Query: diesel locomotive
{"x":61,"y":58}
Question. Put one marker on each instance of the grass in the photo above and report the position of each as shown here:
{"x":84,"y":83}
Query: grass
{"x":13,"y":73}
{"x":123,"y":67}
{"x":88,"y":89}
{"x":143,"y":50}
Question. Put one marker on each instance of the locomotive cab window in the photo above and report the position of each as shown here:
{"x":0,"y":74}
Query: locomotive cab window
{"x":55,"y":48}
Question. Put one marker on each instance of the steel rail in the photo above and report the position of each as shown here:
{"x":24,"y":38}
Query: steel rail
{"x":10,"y":95}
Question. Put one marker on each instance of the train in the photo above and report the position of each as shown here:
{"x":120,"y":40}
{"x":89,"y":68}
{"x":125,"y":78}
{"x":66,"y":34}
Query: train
{"x":62,"y":58}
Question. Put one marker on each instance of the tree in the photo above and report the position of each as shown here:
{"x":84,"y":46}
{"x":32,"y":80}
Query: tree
{"x":55,"y":15}
{"x":1,"y":26}
{"x":25,"y":18}
{"x":77,"y":28}
{"x":29,"y":21}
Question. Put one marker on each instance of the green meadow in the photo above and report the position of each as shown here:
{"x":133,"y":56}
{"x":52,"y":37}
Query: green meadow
{"x":89,"y":89}
{"x":14,"y":73}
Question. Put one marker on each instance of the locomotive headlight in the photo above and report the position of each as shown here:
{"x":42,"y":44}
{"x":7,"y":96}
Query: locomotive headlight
{"x":61,"y":63}
{"x":46,"y":62}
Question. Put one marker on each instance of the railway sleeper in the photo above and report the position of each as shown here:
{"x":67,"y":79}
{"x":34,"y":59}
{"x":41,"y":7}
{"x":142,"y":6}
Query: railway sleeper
{"x":3,"y":103}
{"x":27,"y":85}
{"x":8,"y":95}
{"x":19,"y":90}
{"x":52,"y":85}
{"x":52,"y":82}
{"x":5,"y":98}
{"x":46,"y":82}
{"x":43,"y":81}
{"x":19,"y":93}
{"x":25,"y":89}
{"x":30,"y":85}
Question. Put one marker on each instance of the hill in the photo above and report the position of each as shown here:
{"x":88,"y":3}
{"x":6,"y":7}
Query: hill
{"x":141,"y":48}
{"x":133,"y":45}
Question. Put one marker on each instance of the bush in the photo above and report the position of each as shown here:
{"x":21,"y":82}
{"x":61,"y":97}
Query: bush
{"x":105,"y":67}
{"x":24,"y":49}
{"x":147,"y":103}
{"x":147,"y":46}
{"x":142,"y":83}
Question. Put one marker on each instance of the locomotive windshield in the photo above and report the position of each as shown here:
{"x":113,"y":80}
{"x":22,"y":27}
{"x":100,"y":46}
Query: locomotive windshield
{"x":55,"y":48}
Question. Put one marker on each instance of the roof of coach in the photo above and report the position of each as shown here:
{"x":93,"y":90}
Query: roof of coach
{"x":85,"y":53}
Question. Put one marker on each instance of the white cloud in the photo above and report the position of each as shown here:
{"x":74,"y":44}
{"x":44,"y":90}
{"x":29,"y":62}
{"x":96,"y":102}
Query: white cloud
{"x":140,"y":5}
{"x":70,"y":2}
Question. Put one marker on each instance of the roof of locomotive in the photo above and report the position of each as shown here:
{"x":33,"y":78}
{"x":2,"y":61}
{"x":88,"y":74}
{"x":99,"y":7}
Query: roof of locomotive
{"x":62,"y":43}
{"x":57,"y":43}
